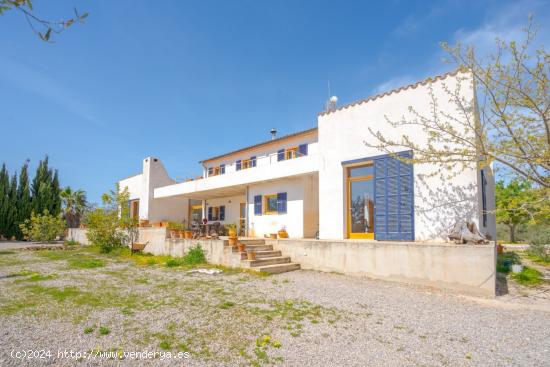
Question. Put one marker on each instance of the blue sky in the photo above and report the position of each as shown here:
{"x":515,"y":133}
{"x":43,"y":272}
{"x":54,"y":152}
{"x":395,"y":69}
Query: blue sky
{"x":188,"y":80}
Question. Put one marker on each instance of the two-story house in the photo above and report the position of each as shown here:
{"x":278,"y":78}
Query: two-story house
{"x":326,"y":182}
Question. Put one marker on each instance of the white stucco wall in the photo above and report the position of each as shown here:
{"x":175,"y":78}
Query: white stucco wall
{"x":438,"y":202}
{"x":301,"y":199}
{"x":232,"y":208}
{"x":134,"y":185}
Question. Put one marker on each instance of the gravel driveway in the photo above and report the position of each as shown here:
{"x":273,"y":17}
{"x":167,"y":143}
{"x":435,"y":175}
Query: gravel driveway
{"x":83,"y":301}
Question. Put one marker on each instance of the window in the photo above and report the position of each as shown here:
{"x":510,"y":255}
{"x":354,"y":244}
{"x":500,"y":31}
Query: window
{"x":484,"y":197}
{"x":272,"y":204}
{"x":216,"y":213}
{"x":217,"y":170}
{"x":291,"y":153}
{"x":247,"y":163}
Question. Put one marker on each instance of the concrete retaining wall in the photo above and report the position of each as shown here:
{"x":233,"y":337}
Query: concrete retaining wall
{"x":462,"y":268}
{"x":78,"y":234}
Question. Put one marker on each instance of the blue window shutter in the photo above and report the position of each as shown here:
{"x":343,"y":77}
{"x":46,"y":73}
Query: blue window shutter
{"x":210,"y":213}
{"x":484,"y":198}
{"x":302,"y":149}
{"x":393,"y":195}
{"x":222,"y":169}
{"x":281,"y":155}
{"x":210,"y":170}
{"x":281,"y":203}
{"x":253,"y":161}
{"x":222,"y":212}
{"x":239,"y":165}
{"x":258,"y":205}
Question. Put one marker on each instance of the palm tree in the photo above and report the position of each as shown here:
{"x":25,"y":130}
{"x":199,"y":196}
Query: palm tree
{"x":74,"y":204}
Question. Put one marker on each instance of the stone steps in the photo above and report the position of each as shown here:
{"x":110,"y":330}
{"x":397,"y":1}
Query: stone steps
{"x":278,"y":268}
{"x":267,"y":260}
{"x":262,"y":254}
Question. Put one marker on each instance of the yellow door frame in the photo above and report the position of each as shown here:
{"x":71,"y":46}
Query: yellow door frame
{"x":349,"y":180}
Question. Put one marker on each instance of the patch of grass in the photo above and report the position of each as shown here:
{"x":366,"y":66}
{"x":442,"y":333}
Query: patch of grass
{"x":165,"y":345}
{"x":226,"y":304}
{"x":72,"y":243}
{"x":103,"y":330}
{"x":34,"y":277}
{"x":89,"y":329}
{"x":4,"y":252}
{"x":194,"y":256}
{"x":528,"y":276}
{"x":537,"y":259}
{"x":86,"y":263}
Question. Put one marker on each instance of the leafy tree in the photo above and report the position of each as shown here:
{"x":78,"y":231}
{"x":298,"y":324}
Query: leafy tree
{"x":43,"y":28}
{"x":508,"y":124}
{"x":43,"y":227}
{"x":111,"y":227}
{"x":74,"y":204}
{"x":24,"y":207}
{"x":514,"y":203}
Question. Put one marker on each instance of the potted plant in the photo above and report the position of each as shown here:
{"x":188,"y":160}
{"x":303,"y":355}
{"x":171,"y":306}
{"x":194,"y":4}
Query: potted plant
{"x":251,"y":255}
{"x":241,"y":247}
{"x":282,"y":232}
{"x":232,"y":232}
{"x":174,"y":229}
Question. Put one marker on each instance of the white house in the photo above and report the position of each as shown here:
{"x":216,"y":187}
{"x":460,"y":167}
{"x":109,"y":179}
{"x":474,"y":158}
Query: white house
{"x":325,"y":182}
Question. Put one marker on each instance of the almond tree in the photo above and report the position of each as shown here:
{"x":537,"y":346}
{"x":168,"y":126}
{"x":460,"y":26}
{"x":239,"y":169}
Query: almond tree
{"x":507,"y":124}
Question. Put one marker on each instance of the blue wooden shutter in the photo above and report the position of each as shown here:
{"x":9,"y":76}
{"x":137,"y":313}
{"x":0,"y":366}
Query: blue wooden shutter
{"x":302,"y":150}
{"x":393,"y":199}
{"x":281,"y":155}
{"x":222,"y":212}
{"x":222,"y":169}
{"x":239,"y":165}
{"x":210,"y":170}
{"x":258,"y":205}
{"x":484,"y":197}
{"x":281,"y":203}
{"x":253,"y":161}
{"x":210,"y":213}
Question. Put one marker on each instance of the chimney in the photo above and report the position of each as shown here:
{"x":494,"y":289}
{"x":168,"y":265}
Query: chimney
{"x":273,"y":134}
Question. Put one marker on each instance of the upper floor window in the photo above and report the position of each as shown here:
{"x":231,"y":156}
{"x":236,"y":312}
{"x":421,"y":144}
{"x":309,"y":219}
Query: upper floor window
{"x":246,"y":163}
{"x":291,"y":153}
{"x":217,"y":170}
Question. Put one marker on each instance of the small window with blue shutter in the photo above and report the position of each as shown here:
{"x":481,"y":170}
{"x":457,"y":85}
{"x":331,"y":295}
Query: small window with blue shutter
{"x":258,"y":205}
{"x":222,"y":169}
{"x":210,"y":171}
{"x":302,"y":150}
{"x":281,"y":155}
{"x":209,"y":213}
{"x":253,"y":161}
{"x":281,"y":203}
{"x":222,"y":212}
{"x":238,"y":165}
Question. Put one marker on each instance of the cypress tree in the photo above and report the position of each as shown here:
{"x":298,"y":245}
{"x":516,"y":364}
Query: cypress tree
{"x":23,"y":199}
{"x":41,"y":187}
{"x":4,"y":196}
{"x":11,"y":212}
{"x":55,"y":200}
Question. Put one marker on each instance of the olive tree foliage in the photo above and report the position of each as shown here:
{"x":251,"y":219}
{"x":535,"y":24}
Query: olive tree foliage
{"x":43,"y":227}
{"x":111,"y":226}
{"x":43,"y":28}
{"x":507,"y":124}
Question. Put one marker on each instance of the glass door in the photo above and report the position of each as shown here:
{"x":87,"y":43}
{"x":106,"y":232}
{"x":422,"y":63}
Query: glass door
{"x":360,"y":201}
{"x":242,"y":219}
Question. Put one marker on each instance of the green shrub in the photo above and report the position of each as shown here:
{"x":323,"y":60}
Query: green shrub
{"x":195,"y":256}
{"x":72,"y":243}
{"x":43,"y":227}
{"x":528,"y":276}
{"x":103,"y":229}
{"x":104,"y":330}
{"x":506,"y":260}
{"x":539,"y":243}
